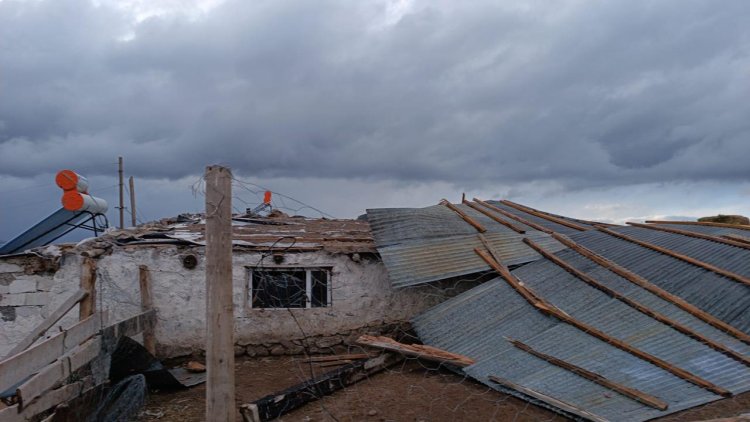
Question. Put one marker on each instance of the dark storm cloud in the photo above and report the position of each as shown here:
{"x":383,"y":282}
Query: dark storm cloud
{"x":581,"y":93}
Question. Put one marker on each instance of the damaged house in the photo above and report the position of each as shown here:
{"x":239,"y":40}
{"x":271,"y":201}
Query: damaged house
{"x":593,"y":321}
{"x":294,"y":278}
{"x":612,"y":323}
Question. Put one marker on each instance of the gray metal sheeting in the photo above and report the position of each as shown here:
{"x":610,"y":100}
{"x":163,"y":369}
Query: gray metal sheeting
{"x":709,"y":230}
{"x":724,"y":298}
{"x":559,"y":228}
{"x":422,"y":245}
{"x":423,"y":261}
{"x":476,"y":324}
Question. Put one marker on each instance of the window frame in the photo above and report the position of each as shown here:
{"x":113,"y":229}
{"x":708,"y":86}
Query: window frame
{"x":308,"y":269}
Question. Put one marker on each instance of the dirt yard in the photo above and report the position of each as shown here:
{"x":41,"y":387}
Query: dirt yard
{"x":408,"y":392}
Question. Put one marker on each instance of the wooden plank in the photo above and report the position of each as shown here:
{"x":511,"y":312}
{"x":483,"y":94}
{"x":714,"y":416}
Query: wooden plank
{"x":737,"y":238}
{"x":629,"y":392}
{"x":513,"y":216}
{"x":474,"y":223}
{"x":147,"y":302}
{"x":505,"y":223}
{"x":57,"y":371}
{"x":702,"y":223}
{"x":47,"y":401}
{"x":416,"y":350}
{"x":719,"y":347}
{"x":693,"y":234}
{"x":544,"y":215}
{"x":219,"y":302}
{"x":550,"y":309}
{"x":17,"y":367}
{"x":275,"y":405}
{"x":88,"y":284}
{"x":48,"y":322}
{"x":567,"y":407}
{"x":706,"y":266}
{"x":492,"y":259}
{"x":656,"y":290}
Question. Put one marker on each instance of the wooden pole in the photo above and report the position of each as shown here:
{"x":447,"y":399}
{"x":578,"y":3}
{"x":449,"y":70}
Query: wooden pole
{"x":122,"y":199}
{"x":132,"y":201}
{"x":219,"y":307}
{"x":88,"y":284}
{"x":147,"y":303}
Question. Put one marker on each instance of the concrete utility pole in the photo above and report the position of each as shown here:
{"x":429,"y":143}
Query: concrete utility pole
{"x":132,"y":201}
{"x":219,"y":306}
{"x":122,"y":199}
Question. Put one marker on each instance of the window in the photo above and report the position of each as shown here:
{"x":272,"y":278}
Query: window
{"x":289,"y":287}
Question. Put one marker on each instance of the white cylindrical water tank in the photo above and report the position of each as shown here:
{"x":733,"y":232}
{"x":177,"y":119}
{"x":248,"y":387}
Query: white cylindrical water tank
{"x":76,"y":201}
{"x":70,"y":180}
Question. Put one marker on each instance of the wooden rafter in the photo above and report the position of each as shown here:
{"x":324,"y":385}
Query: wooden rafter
{"x":719,"y":347}
{"x":652,"y":288}
{"x":629,"y":392}
{"x":702,"y":223}
{"x":544,"y":215}
{"x":550,"y":309}
{"x":505,"y":223}
{"x":698,"y":263}
{"x":513,"y":216}
{"x":474,"y":223}
{"x":689,"y":233}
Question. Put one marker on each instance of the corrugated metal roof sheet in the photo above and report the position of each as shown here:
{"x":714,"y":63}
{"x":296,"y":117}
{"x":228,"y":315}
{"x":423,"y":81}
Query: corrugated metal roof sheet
{"x":724,"y":298}
{"x":559,"y":228}
{"x":709,"y":230}
{"x":422,"y":245}
{"x":476,"y":323}
{"x":422,"y":261}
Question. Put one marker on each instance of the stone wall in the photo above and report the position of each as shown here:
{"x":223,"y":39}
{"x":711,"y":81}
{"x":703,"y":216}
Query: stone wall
{"x":361,"y":296}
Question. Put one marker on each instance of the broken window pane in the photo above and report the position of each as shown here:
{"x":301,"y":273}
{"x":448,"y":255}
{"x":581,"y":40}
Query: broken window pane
{"x":279,"y":289}
{"x":287,"y":288}
{"x":319,"y":292}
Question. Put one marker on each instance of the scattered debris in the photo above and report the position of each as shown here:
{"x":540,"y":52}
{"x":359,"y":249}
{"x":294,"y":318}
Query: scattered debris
{"x":277,"y":404}
{"x":194,"y":366}
{"x":416,"y":350}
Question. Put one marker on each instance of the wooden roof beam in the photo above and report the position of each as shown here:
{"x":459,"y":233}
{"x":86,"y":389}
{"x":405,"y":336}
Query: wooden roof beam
{"x":698,"y":263}
{"x":692,"y":234}
{"x":513,"y":216}
{"x":474,"y":223}
{"x":702,"y":223}
{"x":629,"y":392}
{"x":652,"y":288}
{"x":550,"y":309}
{"x":544,"y":215}
{"x":505,"y":223}
{"x":719,"y":347}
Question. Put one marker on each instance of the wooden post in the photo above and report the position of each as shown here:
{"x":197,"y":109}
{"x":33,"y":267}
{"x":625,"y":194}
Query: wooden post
{"x":219,"y":307}
{"x":147,"y":303}
{"x":132,"y":201}
{"x":122,"y":199}
{"x":88,"y":284}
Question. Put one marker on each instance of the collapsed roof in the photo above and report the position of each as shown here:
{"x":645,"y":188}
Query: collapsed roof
{"x":276,"y":233}
{"x":613,"y":323}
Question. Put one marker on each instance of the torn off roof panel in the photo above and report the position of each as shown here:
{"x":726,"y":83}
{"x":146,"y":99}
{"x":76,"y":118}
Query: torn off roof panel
{"x":479,"y":322}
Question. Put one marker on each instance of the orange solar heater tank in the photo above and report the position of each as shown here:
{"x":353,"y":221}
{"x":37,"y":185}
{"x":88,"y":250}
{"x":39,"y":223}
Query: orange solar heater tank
{"x":68,"y":180}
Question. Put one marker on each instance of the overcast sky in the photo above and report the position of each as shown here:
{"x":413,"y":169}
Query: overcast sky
{"x":609,"y":110}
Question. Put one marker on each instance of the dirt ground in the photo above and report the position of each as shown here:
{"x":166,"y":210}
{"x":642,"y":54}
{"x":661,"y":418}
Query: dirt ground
{"x":410,"y":392}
